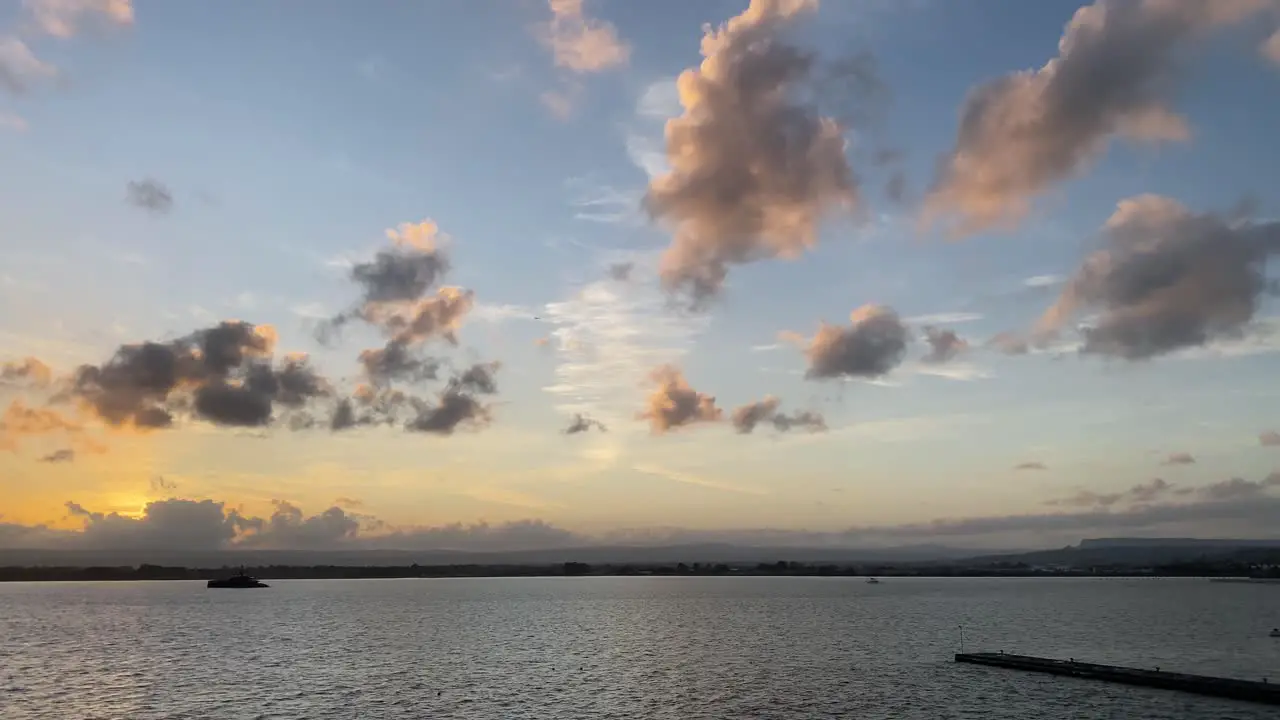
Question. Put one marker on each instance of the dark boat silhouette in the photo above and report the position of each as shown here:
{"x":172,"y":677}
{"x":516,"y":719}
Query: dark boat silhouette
{"x":239,"y":580}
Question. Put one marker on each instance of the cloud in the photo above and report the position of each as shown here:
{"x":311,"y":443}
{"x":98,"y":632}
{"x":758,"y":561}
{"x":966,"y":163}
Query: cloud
{"x":399,"y":297}
{"x":288,"y":527}
{"x":753,"y":169}
{"x":28,"y":370}
{"x":1141,"y":493}
{"x":606,"y":335}
{"x":874,"y":343}
{"x":208,"y":525}
{"x":1114,"y":75}
{"x":149,"y":195}
{"x":63,"y":18}
{"x":223,"y":374}
{"x":1031,"y":466}
{"x":457,"y":405}
{"x":745,"y":418}
{"x":1233,"y":507}
{"x":20,"y":68}
{"x":944,"y":345}
{"x":621,"y":271}
{"x":1166,"y":279}
{"x":695,"y":480}
{"x":1213,"y":512}
{"x":59,"y":456}
{"x":161,"y":484}
{"x":1180,"y":458}
{"x":186,"y":524}
{"x":581,"y":423}
{"x":1269,"y":438}
{"x":944,"y":318}
{"x":1271,"y":48}
{"x":674,"y":404}
{"x":581,"y":44}
{"x":1040,"y":281}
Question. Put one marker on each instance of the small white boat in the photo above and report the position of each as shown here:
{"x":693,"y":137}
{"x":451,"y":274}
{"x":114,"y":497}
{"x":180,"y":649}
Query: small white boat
{"x":872,"y":581}
{"x":1275,"y":632}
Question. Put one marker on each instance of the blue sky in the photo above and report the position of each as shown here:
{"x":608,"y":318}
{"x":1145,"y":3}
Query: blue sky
{"x":292,"y":135}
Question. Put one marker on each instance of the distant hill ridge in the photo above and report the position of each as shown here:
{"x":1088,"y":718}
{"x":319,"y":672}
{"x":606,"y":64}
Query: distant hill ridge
{"x":1094,"y":551}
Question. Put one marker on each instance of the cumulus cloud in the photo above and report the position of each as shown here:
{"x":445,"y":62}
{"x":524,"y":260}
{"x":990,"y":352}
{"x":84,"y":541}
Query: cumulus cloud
{"x":223,"y":374}
{"x":1166,"y":279}
{"x":208,"y":525}
{"x":579,"y":43}
{"x":580,"y":423}
{"x":1180,"y":458}
{"x":458,"y":405}
{"x":944,"y":345}
{"x":399,"y":296}
{"x":873,"y":344}
{"x":187,"y":524}
{"x":1115,"y":73}
{"x":753,"y":169}
{"x":20,"y":69}
{"x":150,"y":195}
{"x":745,"y":418}
{"x":64,"y":18}
{"x":226,"y":375}
{"x":674,"y":404}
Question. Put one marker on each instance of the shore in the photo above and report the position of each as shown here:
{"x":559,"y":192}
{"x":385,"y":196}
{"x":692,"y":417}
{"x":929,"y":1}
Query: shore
{"x":573,"y":569}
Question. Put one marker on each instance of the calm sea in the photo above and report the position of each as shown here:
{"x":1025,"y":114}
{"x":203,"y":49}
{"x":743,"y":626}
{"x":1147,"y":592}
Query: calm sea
{"x":661,"y":648}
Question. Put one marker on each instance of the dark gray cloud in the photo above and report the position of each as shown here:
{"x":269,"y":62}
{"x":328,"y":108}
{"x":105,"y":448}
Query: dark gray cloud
{"x":674,"y":404}
{"x":457,"y":405}
{"x":1115,"y":74}
{"x":745,"y":418}
{"x":580,"y":423}
{"x":1166,"y":279}
{"x":289,"y":527}
{"x":944,"y":345}
{"x":1032,"y":465}
{"x":149,"y":195}
{"x":400,"y":297}
{"x":1180,"y":458}
{"x":188,"y":524}
{"x":222,"y":374}
{"x":755,"y":164}
{"x":161,"y":484}
{"x":874,"y":343}
{"x":397,"y":361}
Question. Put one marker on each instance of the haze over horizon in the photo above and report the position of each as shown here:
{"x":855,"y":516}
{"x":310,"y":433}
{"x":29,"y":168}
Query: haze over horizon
{"x":782,"y":272}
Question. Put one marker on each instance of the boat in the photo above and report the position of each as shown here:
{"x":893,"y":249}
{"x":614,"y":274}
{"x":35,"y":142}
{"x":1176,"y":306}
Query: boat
{"x":872,"y":581}
{"x":1275,"y":632}
{"x":239,"y":580}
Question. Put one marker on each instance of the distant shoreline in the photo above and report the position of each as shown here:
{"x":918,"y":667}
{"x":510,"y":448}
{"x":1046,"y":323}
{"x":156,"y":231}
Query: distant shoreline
{"x":573,"y":569}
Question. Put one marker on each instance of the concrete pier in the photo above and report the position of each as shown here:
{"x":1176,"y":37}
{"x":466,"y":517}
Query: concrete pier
{"x":1250,"y":690}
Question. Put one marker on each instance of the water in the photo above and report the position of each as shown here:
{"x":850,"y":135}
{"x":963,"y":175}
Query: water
{"x":600,"y":648}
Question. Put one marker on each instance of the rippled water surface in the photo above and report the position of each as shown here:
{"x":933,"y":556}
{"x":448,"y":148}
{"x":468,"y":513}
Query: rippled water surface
{"x":662,"y":648}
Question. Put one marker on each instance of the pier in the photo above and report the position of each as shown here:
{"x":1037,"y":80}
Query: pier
{"x":1250,"y":690}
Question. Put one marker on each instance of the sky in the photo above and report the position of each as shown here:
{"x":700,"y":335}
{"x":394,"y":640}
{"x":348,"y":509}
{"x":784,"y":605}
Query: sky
{"x":512,"y":273}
